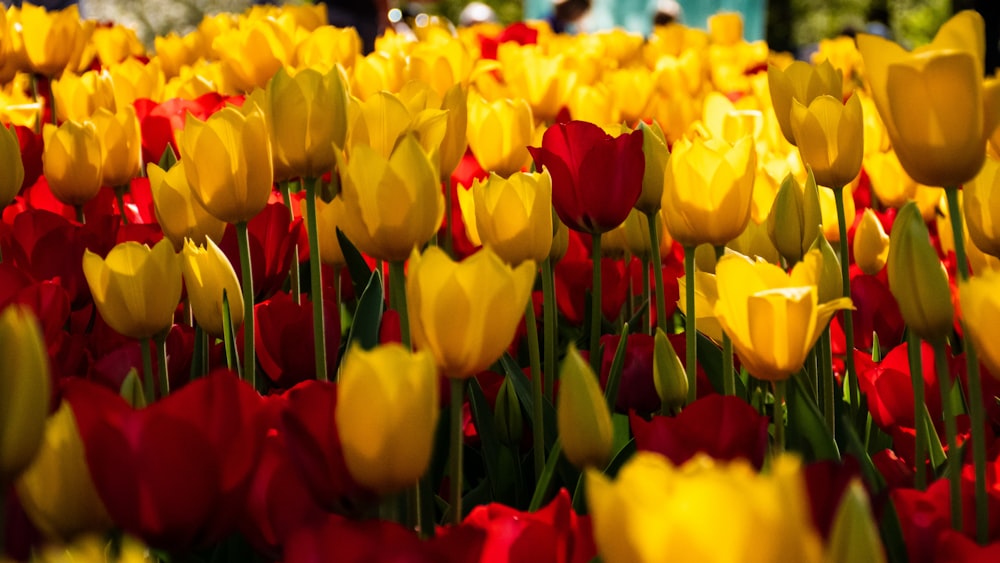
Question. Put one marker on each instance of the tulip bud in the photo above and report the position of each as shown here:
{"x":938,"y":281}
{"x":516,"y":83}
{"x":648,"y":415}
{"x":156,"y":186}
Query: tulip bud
{"x":669,"y":375}
{"x":654,"y":147}
{"x":24,"y":390}
{"x":208,"y":275}
{"x":917,"y":278}
{"x":180,"y":215}
{"x":11,"y":166}
{"x":119,"y":135}
{"x":854,"y":536}
{"x":830,"y":278}
{"x":754,"y":241}
{"x":560,"y":240}
{"x":131,"y":390}
{"x":871,"y":244}
{"x":72,"y":161}
{"x":508,"y":419}
{"x":981,"y":204}
{"x":582,"y":414}
{"x":795,"y":218}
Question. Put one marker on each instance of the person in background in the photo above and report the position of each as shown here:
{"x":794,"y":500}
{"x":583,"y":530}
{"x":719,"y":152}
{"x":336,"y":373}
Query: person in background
{"x":566,"y":15}
{"x":668,"y":12}
{"x":369,"y":17}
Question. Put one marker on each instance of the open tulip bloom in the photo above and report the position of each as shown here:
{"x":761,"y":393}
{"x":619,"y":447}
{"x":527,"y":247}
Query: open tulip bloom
{"x":475,"y":206}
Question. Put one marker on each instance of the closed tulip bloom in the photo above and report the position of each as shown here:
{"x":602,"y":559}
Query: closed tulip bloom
{"x":180,"y":215}
{"x":513,"y":216}
{"x":50,"y":37}
{"x":390,"y":205}
{"x":933,"y":102}
{"x":801,"y":82}
{"x":11,"y":166}
{"x":917,"y":278}
{"x":499,"y":133}
{"x":708,"y":190}
{"x":207,"y":274}
{"x":387,"y":410}
{"x":795,"y":219}
{"x":72,"y":161}
{"x":981,"y":204}
{"x":465,"y":313}
{"x":829,"y":136}
{"x":327,"y":46}
{"x":79,"y":97}
{"x":854,"y":535}
{"x":119,"y":134}
{"x":871,"y":244}
{"x":596,"y":178}
{"x":24,"y":390}
{"x":980,"y":302}
{"x":228,"y":162}
{"x":582,"y":414}
{"x":135,"y":288}
{"x":456,"y":140}
{"x":383,"y":119}
{"x":56,"y":491}
{"x":773,"y":318}
{"x":654,"y":148}
{"x":536,"y":76}
{"x":888,"y":179}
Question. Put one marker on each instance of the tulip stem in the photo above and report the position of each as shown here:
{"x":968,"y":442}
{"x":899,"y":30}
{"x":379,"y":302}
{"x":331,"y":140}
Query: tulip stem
{"x":728,"y":376}
{"x":850,"y":372}
{"x":316,"y":279}
{"x":81,"y":217}
{"x":975,"y":390}
{"x":595,"y":305}
{"x":457,"y":398}
{"x":779,"y":416}
{"x":120,"y":198}
{"x":397,"y":299}
{"x":647,"y":299}
{"x":147,"y":369}
{"x":690,"y":334}
{"x":917,"y":380}
{"x":549,"y":326}
{"x":249,"y":355}
{"x":537,"y":425}
{"x":161,"y":358}
{"x":449,"y":211}
{"x":199,"y":354}
{"x":951,"y":430}
{"x":293,"y":270}
{"x":829,"y":384}
{"x":654,"y":246}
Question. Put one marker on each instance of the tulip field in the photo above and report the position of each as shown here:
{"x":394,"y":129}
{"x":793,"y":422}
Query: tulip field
{"x":495,"y":294}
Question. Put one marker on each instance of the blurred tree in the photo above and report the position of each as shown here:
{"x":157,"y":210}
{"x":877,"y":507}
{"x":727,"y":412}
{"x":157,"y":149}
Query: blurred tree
{"x":508,"y":11}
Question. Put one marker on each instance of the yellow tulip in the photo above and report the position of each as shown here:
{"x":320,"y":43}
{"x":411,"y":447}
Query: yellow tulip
{"x":795,"y":219}
{"x":14,"y":59}
{"x":981,"y":204}
{"x":456,"y":141}
{"x":980,"y":302}
{"x":707,"y":190}
{"x":654,"y":147}
{"x":228,"y":162}
{"x":429,"y":121}
{"x":633,"y":90}
{"x":773,"y":318}
{"x":78,"y":97}
{"x":378,"y":72}
{"x":536,"y":76}
{"x":95,"y":549}
{"x":24,"y":390}
{"x":500,"y":132}
{"x":706,"y":294}
{"x":207,"y":274}
{"x":328,"y":46}
{"x":582,"y":414}
{"x":725,"y":28}
{"x":115,"y":44}
{"x":326,"y":225}
{"x":11,"y":166}
{"x":843,"y":54}
{"x":441,"y":64}
{"x":655,"y":512}
{"x":175,"y":52}
{"x":50,"y":38}
{"x":932,"y":100}
{"x":253,"y":52}
{"x":800,"y":82}
{"x":513,"y":216}
{"x":389,"y":205}
{"x":134,"y":79}
{"x":72,"y":161}
{"x":387,"y":411}
{"x":917,"y":278}
{"x":122,"y":142}
{"x":829,"y":136}
{"x":57,"y":491}
{"x":669,"y":376}
{"x":465,"y":313}
{"x":178,"y":212}
{"x":871,"y":244}
{"x":136,"y":289}
{"x":383,"y":119}
{"x":828,"y":208}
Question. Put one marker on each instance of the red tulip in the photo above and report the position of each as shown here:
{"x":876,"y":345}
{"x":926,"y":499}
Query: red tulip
{"x":574,"y":280}
{"x":953,"y":547}
{"x":875,"y":311}
{"x":826,"y":482}
{"x":596,"y":178}
{"x":284,"y":338}
{"x":518,"y":32}
{"x":158,"y":122}
{"x":272,"y":236}
{"x":31,"y":154}
{"x":636,"y":390}
{"x":889,"y":389}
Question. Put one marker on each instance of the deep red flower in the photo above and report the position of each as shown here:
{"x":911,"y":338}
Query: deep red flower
{"x":875,"y":311}
{"x":596,"y":178}
{"x":285,"y":342}
{"x":272,"y":235}
{"x":826,"y":482}
{"x":889,"y":388}
{"x":32,"y":147}
{"x":518,"y":32}
{"x":953,"y":547}
{"x":574,"y":279}
{"x":636,"y":390}
{"x":159,"y":121}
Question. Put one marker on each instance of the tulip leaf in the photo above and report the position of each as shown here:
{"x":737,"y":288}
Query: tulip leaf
{"x":710,"y":359}
{"x":617,"y":365}
{"x":621,"y":456}
{"x":807,"y":428}
{"x":892,"y":535}
{"x":934,"y":448}
{"x":522,"y":386}
{"x":857,"y":449}
{"x":482,"y":416}
{"x":168,"y":159}
{"x":542,"y":486}
{"x":368,"y":317}
{"x":356,"y":265}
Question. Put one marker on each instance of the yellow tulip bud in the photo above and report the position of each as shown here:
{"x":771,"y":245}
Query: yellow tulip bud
{"x":136,"y":289}
{"x":387,"y":409}
{"x":378,"y":72}
{"x":119,"y":134}
{"x":669,"y":375}
{"x":24,"y":390}
{"x":829,"y":136}
{"x":513,"y":216}
{"x":871,"y":244}
{"x":207,"y":274}
{"x":654,"y":147}
{"x":917,"y":278}
{"x":981,"y":204}
{"x":980,"y":302}
{"x":72,"y":161}
{"x":78,"y":97}
{"x":11,"y":166}
{"x":855,"y":535}
{"x":536,"y":76}
{"x":803,"y":83}
{"x":795,"y":219}
{"x":179,"y":214}
{"x":822,"y":259}
{"x":50,"y":38}
{"x":383,"y":119}
{"x":582,"y":414}
{"x":94,"y":549}
{"x":499,"y":134}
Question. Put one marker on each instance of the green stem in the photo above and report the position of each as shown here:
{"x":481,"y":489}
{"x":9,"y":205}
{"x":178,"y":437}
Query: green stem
{"x":649,"y":311}
{"x":595,"y":306}
{"x":397,"y":299}
{"x":41,"y":109}
{"x":449,"y":212}
{"x":654,"y":244}
{"x":81,"y":217}
{"x":690,"y":332}
{"x":728,"y":376}
{"x":161,"y":350}
{"x":199,"y":353}
{"x":954,"y":469}
{"x":779,"y":416}
{"x":829,"y":383}
{"x":293,"y":270}
{"x":457,"y":397}
{"x":249,"y":354}
{"x":537,"y":424}
{"x":146,"y":347}
{"x":917,"y":381}
{"x":120,"y":198}
{"x":549,"y":326}
{"x":316,"y":279}
{"x":850,"y":372}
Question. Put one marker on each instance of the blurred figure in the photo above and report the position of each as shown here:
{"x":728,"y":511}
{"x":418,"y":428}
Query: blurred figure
{"x":369,"y":17}
{"x":668,"y":12}
{"x":566,"y":14}
{"x":476,"y":12}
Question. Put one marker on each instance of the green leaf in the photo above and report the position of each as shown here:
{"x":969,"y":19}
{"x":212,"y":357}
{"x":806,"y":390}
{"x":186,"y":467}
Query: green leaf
{"x":807,"y":428}
{"x":617,"y":365}
{"x":168,"y":159}
{"x":356,"y":264}
{"x":892,"y":535}
{"x":710,"y":360}
{"x":490,"y":448}
{"x":368,"y":317}
{"x":934,"y":448}
{"x":621,"y":456}
{"x":522,"y":386}
{"x":542,"y":487}
{"x":856,"y":448}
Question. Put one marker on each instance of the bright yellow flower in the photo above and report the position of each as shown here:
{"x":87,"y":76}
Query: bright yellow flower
{"x":383,"y":119}
{"x":136,"y":289}
{"x":800,"y":82}
{"x":134,"y":79}
{"x":50,"y":38}
{"x":78,"y":97}
{"x":871,"y":244}
{"x":120,"y":137}
{"x":377,"y":72}
{"x":228,"y":162}
{"x":632,"y":90}
{"x":981,"y":204}
{"x":932,"y":100}
{"x":387,"y":410}
{"x":500,"y":132}
{"x":829,"y":135}
{"x":773,"y":318}
{"x":24,"y":390}
{"x":426,"y":107}
{"x":796,"y":218}
{"x":174,"y":52}
{"x":441,"y":64}
{"x":706,"y":293}
{"x":178,"y":212}
{"x":327,"y":215}
{"x":843,"y":54}
{"x":72,"y":161}
{"x":207,"y":274}
{"x":513,"y":216}
{"x":466,"y":313}
{"x":14,"y":58}
{"x":328,"y":46}
{"x":980,"y":301}
{"x":595,"y":104}
{"x":725,"y":28}
{"x":253,"y":52}
{"x":537,"y":77}
{"x":115,"y":44}
{"x":655,"y":512}
{"x":582,"y":414}
{"x":11,"y":166}
{"x":94,"y":549}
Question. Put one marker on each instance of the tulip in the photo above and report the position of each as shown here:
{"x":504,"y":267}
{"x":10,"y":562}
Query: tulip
{"x":889,"y":181}
{"x":179,"y":214}
{"x":327,"y":46}
{"x":56,"y":491}
{"x":253,"y":52}
{"x":979,"y":301}
{"x":513,"y":216}
{"x":537,"y":77}
{"x":455,"y":143}
{"x":706,"y":293}
{"x":829,"y":136}
{"x":707,"y":190}
{"x":78,"y":97}
{"x":93,"y":548}
{"x":119,"y":134}
{"x":654,"y":511}
{"x":72,"y":161}
{"x":386,"y":415}
{"x":228,"y":162}
{"x":871,"y":244}
{"x":11,"y":166}
{"x":933,"y":102}
{"x":326,"y":223}
{"x":803,"y":83}
{"x":383,"y":119}
{"x":50,"y":38}
{"x":594,"y":104}
{"x":499,"y":133}
{"x":116,"y":43}
{"x":855,"y":535}
{"x":135,"y":80}
{"x":208,"y":275}
{"x":378,"y":72}
{"x":795,"y":219}
{"x":440,"y":64}
{"x":583,"y":418}
{"x":772,"y":318}
{"x":917,"y":278}
{"x":981,"y":204}
{"x":135,"y":288}
{"x":725,"y":28}
{"x":654,"y":148}
{"x":668,"y":374}
{"x":24,"y":390}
